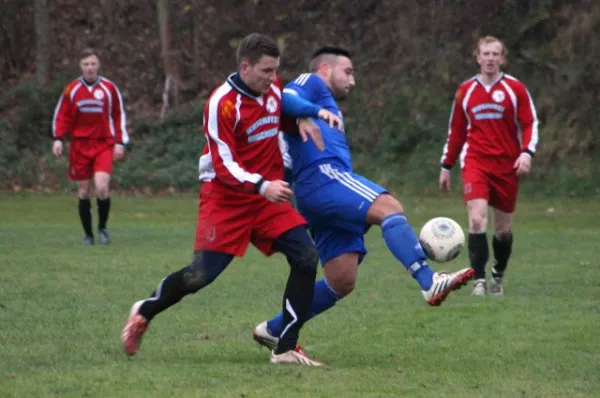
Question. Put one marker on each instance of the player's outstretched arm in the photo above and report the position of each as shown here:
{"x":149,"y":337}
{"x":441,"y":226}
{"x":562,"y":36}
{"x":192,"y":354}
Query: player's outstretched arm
{"x":294,"y":106}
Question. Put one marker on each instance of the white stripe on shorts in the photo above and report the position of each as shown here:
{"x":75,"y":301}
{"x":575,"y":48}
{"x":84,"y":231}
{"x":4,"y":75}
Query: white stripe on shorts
{"x":349,"y":182}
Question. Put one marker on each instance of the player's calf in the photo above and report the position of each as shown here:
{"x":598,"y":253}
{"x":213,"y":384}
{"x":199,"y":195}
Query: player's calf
{"x":478,"y":253}
{"x":502,"y":248}
{"x":303,"y":258}
{"x":402,"y":241}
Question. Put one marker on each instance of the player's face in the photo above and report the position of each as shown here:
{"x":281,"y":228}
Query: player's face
{"x":341,"y":77}
{"x":90,"y":67}
{"x":260,"y":76}
{"x":490,"y":57}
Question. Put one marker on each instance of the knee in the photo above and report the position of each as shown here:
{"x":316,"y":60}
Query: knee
{"x":343,"y":284}
{"x":193,"y":278}
{"x":504,"y":235}
{"x":477,"y":222}
{"x":383,"y":206}
{"x":306,"y":262}
{"x":197,"y":275}
{"x":102,"y":191}
{"x":83,"y":192}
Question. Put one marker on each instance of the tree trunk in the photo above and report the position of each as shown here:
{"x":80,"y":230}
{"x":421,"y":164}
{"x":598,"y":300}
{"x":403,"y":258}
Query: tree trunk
{"x":42,"y":39}
{"x":169,"y":61}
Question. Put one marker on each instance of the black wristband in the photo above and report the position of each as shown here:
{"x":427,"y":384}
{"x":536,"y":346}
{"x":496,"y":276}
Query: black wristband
{"x":530,"y":153}
{"x":258,"y":185}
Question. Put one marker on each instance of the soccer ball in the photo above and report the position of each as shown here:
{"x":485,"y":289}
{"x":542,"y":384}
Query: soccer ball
{"x":442,"y":239}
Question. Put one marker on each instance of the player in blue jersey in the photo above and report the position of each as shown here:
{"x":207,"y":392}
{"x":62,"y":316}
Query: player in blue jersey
{"x":341,"y":205}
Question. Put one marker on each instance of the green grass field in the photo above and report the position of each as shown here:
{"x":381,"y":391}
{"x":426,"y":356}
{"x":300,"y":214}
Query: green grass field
{"x":62,"y":308}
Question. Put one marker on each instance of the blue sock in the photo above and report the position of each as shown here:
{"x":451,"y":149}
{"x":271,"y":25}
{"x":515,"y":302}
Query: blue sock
{"x":404,"y":245}
{"x":323,"y":299}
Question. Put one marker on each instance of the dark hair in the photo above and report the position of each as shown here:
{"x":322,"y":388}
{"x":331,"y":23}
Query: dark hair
{"x":318,"y":56}
{"x":331,"y":51}
{"x":254,"y":46}
{"x":87,"y":52}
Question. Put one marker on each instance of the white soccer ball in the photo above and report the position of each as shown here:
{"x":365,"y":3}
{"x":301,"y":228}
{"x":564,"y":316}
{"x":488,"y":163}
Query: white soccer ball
{"x":442,"y":239}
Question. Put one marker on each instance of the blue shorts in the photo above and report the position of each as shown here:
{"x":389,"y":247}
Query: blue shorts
{"x":337,"y":210}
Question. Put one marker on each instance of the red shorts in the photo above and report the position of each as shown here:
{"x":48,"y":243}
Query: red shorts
{"x":499,"y":187}
{"x":228,"y":222}
{"x":86,"y":157}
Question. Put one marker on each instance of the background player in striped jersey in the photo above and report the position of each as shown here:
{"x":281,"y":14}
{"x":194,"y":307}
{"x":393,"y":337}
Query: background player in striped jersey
{"x":91,"y":110}
{"x":494,"y":128}
{"x":243,"y":198}
{"x":341,"y":205}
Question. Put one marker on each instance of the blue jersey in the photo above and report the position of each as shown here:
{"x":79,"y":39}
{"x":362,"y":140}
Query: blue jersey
{"x":306,"y":158}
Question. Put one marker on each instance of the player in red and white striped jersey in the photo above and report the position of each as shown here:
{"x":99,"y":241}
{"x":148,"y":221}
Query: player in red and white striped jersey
{"x":243,"y":198}
{"x":494,"y":131}
{"x":91,"y":110}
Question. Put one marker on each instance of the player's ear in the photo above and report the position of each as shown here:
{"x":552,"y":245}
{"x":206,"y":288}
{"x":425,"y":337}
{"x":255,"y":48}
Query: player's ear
{"x":244,"y":66}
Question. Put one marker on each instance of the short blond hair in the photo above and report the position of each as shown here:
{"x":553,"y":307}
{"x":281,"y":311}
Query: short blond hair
{"x":487,"y":40}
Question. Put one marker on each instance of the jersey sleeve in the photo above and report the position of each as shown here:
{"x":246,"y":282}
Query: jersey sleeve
{"x":299,"y":97}
{"x":299,"y":93}
{"x":118,"y":117}
{"x":62,"y":119}
{"x":457,"y":132}
{"x":220,"y":117}
{"x":528,"y":121}
{"x":303,"y":86}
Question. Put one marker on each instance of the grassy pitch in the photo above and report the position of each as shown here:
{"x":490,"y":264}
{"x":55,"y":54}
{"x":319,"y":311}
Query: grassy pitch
{"x":63,"y":305}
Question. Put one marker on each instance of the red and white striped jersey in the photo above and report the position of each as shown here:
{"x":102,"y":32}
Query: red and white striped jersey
{"x":242,"y":131}
{"x":495,"y":121}
{"x":92,"y":111}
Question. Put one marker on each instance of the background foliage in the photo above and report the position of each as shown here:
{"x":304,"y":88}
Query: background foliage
{"x":409,"y":57}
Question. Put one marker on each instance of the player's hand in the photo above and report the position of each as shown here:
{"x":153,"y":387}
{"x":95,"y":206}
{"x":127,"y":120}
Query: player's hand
{"x":308,"y":128}
{"x":57,"y":148}
{"x":277,"y":191}
{"x":445,"y":180}
{"x":331,"y":118}
{"x":523,"y":164}
{"x":118,"y":152}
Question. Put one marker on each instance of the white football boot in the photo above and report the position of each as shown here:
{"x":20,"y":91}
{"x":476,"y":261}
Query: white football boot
{"x":445,"y":283}
{"x":479,"y":288}
{"x":497,"y":286}
{"x":131,"y":336}
{"x":261,"y":335}
{"x":294,"y":357}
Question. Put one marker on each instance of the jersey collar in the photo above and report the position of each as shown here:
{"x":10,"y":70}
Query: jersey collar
{"x":88,"y":84}
{"x":235,"y":80}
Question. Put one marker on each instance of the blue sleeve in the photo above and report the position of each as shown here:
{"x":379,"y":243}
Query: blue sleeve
{"x":295,"y":106}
